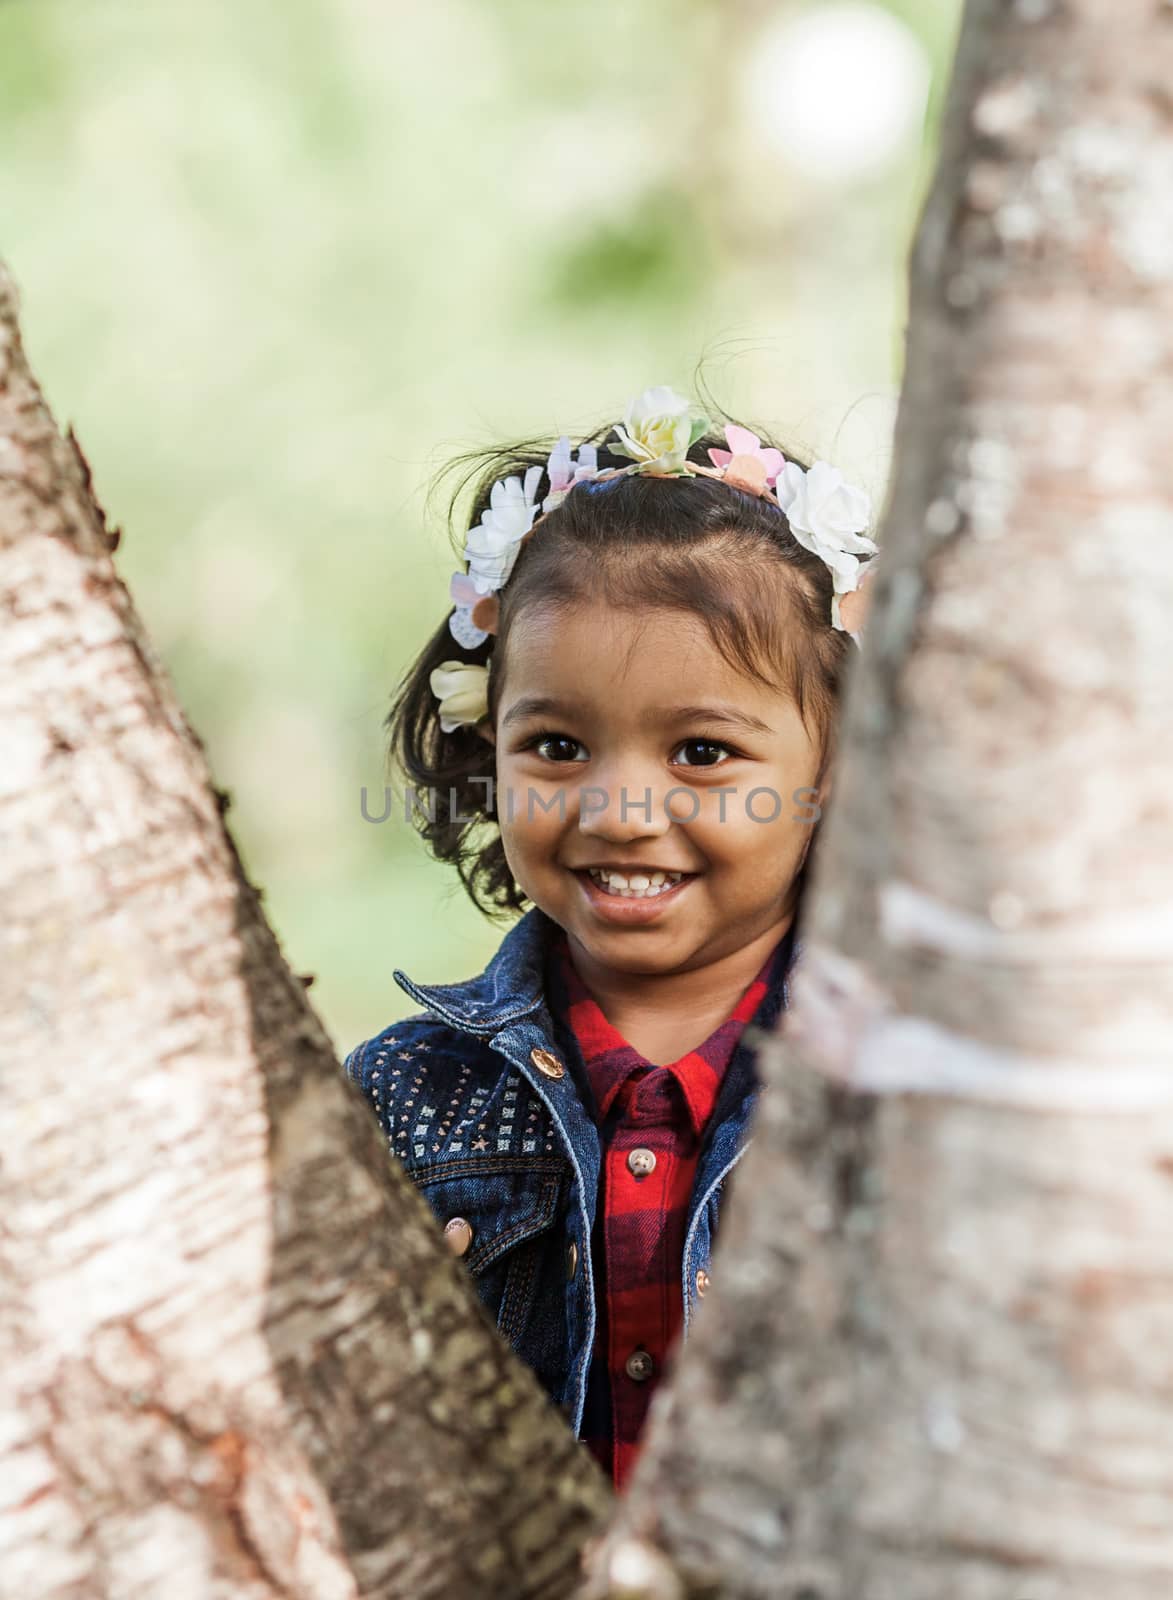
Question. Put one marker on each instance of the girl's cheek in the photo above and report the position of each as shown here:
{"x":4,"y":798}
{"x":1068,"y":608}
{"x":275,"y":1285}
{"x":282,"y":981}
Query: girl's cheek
{"x":758,"y":827}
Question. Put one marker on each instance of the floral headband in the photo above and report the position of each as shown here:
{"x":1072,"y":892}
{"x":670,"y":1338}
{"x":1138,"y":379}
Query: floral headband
{"x":826,"y":515}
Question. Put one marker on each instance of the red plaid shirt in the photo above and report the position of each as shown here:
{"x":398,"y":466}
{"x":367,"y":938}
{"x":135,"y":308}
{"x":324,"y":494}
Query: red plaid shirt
{"x":648,"y":1116}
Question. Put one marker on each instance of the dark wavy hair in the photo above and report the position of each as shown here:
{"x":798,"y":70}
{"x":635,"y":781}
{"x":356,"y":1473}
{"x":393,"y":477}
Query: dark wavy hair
{"x":688,"y":544}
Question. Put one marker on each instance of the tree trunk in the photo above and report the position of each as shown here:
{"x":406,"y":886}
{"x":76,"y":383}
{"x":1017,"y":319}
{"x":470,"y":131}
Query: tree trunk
{"x":238,"y":1359}
{"x":937,"y":1358}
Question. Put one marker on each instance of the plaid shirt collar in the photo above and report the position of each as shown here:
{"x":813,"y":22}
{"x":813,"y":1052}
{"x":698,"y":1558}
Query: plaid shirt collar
{"x":610,"y":1061}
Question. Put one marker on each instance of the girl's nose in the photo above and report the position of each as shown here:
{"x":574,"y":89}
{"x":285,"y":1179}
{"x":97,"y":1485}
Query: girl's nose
{"x":618,"y":810}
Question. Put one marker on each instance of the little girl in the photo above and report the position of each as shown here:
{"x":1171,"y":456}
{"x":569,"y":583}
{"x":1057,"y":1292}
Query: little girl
{"x":634,"y":741}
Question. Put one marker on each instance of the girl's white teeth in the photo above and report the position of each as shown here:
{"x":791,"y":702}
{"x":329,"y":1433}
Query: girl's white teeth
{"x":637,"y":885}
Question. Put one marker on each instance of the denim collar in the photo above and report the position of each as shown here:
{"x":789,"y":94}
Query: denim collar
{"x":512,"y":986}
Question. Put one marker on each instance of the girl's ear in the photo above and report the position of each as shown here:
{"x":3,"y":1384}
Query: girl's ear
{"x":487,"y":732}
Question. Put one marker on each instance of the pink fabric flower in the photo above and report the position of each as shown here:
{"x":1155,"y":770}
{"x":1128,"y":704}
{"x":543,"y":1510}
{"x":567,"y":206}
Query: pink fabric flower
{"x":476,"y":615}
{"x":462,"y":590}
{"x":849,"y":612}
{"x":565,"y":471}
{"x":746,"y":460}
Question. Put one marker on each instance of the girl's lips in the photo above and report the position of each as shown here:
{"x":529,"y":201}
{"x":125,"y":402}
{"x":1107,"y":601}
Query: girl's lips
{"x":633,"y":909}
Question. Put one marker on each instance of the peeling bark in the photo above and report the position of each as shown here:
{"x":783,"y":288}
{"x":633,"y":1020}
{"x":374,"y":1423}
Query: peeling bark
{"x":936,"y":1357}
{"x":238,"y":1359}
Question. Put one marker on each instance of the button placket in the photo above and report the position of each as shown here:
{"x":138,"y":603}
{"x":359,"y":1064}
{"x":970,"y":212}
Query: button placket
{"x":633,"y":1164}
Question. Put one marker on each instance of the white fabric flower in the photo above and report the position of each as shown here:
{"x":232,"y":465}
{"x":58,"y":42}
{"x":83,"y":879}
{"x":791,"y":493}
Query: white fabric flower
{"x":827,"y":515}
{"x":565,"y":471}
{"x":657,"y":430}
{"x":492,"y":545}
{"x":462,"y":688}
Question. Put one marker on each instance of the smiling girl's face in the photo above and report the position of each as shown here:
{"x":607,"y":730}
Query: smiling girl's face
{"x":601,"y":712}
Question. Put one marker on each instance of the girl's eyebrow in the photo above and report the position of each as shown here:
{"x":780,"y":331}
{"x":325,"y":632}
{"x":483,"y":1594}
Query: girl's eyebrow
{"x":733,"y":716}
{"x":531,"y":705}
{"x":535,"y":705}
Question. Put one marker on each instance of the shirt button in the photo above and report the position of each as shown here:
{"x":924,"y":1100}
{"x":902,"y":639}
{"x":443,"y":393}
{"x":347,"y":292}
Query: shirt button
{"x":641,"y":1162}
{"x":458,"y":1233}
{"x":571,"y":1260}
{"x":548,"y":1065}
{"x":702,"y":1282}
{"x":638,"y":1366}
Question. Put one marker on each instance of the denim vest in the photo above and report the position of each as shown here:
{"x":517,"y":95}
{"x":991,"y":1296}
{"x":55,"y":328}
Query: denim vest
{"x":483,"y":1098}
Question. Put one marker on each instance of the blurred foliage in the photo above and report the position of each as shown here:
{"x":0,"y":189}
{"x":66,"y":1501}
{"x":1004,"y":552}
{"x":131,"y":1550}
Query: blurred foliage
{"x":279,"y":261}
{"x":656,"y":256}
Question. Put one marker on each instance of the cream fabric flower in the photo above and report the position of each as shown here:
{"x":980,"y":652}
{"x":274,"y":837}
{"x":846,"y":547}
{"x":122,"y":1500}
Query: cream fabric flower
{"x":462,"y":688}
{"x":657,"y":430}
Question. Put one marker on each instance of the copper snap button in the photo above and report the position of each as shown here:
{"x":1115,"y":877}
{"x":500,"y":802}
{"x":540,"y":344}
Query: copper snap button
{"x":702,"y":1282}
{"x":458,"y":1233}
{"x":548,"y":1065}
{"x":571,"y":1260}
{"x":638,"y":1366}
{"x":641,"y":1162}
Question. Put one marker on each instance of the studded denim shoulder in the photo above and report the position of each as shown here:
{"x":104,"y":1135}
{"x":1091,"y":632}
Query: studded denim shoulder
{"x":440,"y":1094}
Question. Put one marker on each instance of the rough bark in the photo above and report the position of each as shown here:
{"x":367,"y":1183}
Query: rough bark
{"x":937,"y":1355}
{"x":237,"y":1358}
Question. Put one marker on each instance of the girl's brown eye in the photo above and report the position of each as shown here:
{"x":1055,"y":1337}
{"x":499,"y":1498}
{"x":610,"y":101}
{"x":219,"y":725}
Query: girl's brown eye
{"x":706,"y":748}
{"x":559,"y":742}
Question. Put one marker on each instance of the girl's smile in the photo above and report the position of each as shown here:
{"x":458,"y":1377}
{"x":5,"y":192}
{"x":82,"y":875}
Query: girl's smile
{"x":632,"y":896}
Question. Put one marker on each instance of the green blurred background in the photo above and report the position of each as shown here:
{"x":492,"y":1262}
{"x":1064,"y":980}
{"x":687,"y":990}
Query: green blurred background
{"x":280,"y":260}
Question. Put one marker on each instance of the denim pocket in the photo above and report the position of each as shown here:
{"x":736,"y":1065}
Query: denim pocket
{"x":510,"y":1203}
